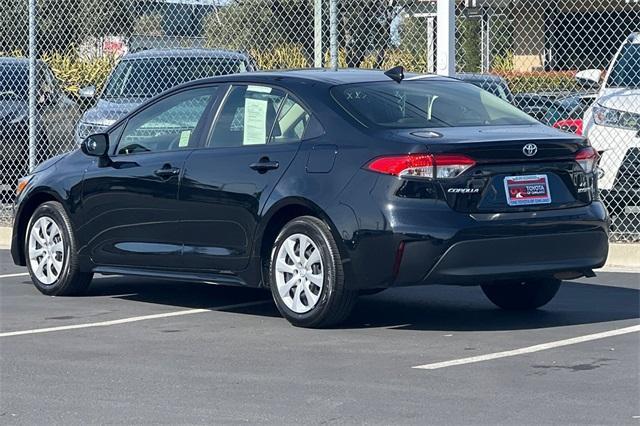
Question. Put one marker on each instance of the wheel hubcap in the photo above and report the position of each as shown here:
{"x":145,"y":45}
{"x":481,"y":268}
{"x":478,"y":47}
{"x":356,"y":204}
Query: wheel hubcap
{"x":299,"y":273}
{"x":46,"y":250}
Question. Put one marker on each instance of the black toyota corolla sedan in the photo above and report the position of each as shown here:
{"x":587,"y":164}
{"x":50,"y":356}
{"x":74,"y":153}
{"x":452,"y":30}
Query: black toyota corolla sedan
{"x":321,"y":185}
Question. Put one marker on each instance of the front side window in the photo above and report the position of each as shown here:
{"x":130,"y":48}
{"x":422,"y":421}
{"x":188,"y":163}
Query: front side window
{"x":167,"y":125}
{"x":248,"y":116}
{"x":424,"y":104}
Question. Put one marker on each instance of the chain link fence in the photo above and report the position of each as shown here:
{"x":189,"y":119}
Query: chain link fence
{"x":572,"y":64}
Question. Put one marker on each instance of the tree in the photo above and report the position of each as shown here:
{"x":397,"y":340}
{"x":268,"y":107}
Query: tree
{"x":62,"y":25}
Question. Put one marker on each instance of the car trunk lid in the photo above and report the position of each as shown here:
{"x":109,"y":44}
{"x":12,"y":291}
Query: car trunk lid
{"x":516,"y":169}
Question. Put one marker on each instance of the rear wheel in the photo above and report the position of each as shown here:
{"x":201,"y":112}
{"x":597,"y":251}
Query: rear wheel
{"x":51,"y":254}
{"x":522,"y":295}
{"x":307,"y":279}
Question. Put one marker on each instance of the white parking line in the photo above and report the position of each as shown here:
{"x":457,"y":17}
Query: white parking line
{"x":131,"y":319}
{"x":530,"y":349}
{"x":21,"y":274}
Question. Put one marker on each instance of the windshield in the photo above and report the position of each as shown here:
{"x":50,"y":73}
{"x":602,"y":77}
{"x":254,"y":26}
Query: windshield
{"x":417,"y":104}
{"x":14,"y":81}
{"x":626,"y":70}
{"x":145,"y":78}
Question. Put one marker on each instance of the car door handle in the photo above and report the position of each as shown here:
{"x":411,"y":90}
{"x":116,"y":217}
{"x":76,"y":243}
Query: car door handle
{"x":264,"y":165}
{"x":167,"y":171}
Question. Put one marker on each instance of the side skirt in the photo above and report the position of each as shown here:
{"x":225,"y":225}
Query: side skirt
{"x":207,"y":278}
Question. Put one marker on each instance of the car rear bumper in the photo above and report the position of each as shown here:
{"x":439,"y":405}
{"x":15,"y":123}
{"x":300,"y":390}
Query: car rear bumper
{"x":440,"y":246}
{"x":491,"y":259}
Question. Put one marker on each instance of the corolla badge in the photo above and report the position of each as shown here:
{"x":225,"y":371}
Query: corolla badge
{"x":530,"y":149}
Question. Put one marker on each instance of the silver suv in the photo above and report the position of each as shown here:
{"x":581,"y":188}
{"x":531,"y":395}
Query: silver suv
{"x":141,"y":75}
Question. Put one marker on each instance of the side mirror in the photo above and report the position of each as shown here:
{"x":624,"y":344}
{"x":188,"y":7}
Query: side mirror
{"x":96,"y":145}
{"x":87,"y":93}
{"x":589,"y":78}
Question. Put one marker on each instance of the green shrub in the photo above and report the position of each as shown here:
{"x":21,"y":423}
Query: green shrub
{"x":73,"y":72}
{"x":540,"y":81}
{"x":282,"y":57}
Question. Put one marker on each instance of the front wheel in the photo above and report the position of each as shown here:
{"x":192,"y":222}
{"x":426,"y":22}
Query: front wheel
{"x":50,"y":251}
{"x":522,"y":294}
{"x":306,"y":275}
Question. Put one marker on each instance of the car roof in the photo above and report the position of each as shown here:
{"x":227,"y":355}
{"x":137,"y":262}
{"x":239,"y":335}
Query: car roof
{"x":184,"y":53}
{"x":322,"y":75}
{"x":7,"y":60}
{"x":469,"y":76}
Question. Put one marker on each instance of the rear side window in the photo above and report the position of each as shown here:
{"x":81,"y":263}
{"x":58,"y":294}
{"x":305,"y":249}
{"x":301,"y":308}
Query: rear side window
{"x":169,"y":124}
{"x":420,"y":104}
{"x":291,"y":124}
{"x":247,"y":116}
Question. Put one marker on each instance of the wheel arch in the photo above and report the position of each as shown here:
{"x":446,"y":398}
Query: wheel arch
{"x":279,"y":215}
{"x":27,"y":207}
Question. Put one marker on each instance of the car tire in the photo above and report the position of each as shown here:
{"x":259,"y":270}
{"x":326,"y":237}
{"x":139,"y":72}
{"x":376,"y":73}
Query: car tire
{"x":51,"y":253}
{"x":309,"y":290}
{"x":522,"y":295}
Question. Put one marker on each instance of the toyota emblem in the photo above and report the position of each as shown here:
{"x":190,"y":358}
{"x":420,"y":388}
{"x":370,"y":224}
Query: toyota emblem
{"x":530,"y":149}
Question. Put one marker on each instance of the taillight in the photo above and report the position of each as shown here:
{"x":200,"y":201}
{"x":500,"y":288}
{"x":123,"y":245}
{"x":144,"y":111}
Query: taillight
{"x":422,"y":165}
{"x":587,"y":158}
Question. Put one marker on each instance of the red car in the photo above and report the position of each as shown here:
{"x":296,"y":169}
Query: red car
{"x":573,"y":125}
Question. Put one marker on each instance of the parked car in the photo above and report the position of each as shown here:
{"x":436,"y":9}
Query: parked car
{"x":612,"y":125}
{"x":319,"y":185}
{"x":536,"y":104}
{"x":141,"y":75}
{"x":493,"y":84}
{"x":567,"y":111}
{"x":55,"y":117}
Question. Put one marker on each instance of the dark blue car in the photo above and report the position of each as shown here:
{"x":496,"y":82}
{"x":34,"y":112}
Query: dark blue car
{"x":321,"y":186}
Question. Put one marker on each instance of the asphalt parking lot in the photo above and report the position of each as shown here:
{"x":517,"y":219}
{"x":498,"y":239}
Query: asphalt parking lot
{"x":143,"y":351}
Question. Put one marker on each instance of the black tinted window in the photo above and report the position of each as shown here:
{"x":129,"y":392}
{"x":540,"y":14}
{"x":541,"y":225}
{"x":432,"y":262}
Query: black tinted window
{"x":626,"y":70}
{"x":415,"y":104}
{"x":169,"y":124}
{"x":14,"y":81}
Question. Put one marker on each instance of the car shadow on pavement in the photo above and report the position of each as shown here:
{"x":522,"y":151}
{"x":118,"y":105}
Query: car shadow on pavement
{"x":439,"y":308}
{"x":190,"y":295}
{"x":466,"y":309}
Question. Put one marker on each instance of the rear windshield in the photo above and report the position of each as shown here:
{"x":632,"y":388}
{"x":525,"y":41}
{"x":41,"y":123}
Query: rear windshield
{"x":145,"y":78}
{"x":417,"y":104}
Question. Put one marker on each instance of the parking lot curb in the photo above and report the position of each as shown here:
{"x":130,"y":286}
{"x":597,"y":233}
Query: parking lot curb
{"x":5,"y":237}
{"x":620,"y":255}
{"x":624,"y":255}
